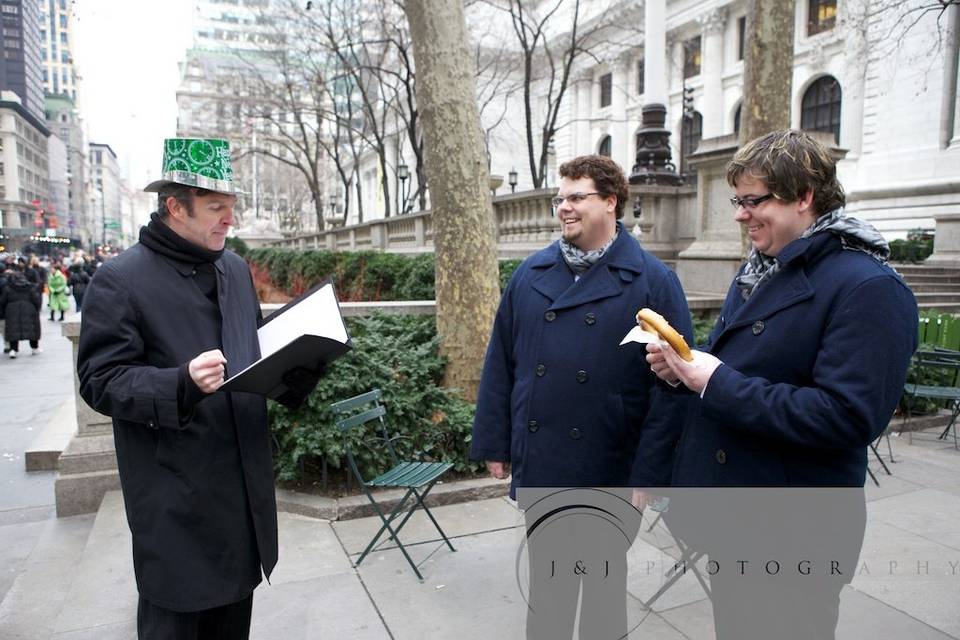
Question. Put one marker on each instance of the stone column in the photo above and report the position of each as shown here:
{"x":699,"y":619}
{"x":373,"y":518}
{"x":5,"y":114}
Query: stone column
{"x":946,"y":241}
{"x":620,"y":128}
{"x":653,"y":164}
{"x":713,"y":23}
{"x":584,"y":86}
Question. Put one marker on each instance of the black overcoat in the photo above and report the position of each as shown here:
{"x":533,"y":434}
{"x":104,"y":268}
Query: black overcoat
{"x":198,"y":488}
{"x":20,"y":301}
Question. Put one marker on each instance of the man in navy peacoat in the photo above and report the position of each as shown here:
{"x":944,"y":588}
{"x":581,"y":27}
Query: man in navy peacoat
{"x":560,"y":402}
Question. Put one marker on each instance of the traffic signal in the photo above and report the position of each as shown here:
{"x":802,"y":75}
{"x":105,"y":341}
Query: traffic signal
{"x":688,"y":102}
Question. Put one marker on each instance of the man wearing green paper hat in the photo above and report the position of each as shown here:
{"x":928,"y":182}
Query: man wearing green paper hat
{"x":163,"y":325}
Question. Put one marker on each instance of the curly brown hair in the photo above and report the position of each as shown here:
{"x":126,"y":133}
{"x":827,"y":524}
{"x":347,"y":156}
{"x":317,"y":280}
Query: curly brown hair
{"x":606,"y":174}
{"x":790,"y":162}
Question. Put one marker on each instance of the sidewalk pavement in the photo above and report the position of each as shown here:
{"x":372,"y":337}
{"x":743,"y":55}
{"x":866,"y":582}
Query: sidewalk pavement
{"x":77,"y":581}
{"x":72,"y":578}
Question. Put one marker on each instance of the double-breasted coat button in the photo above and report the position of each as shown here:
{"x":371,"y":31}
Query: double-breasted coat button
{"x":575,"y":433}
{"x":758,"y":327}
{"x":550,"y":316}
{"x":541,"y":369}
{"x":590,"y":319}
{"x":721,"y":456}
{"x":581,"y":376}
{"x":533,"y":425}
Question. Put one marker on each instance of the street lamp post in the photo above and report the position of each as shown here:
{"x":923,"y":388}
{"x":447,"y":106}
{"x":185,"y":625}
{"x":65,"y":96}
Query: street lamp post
{"x":512,"y":179}
{"x":403,"y":172}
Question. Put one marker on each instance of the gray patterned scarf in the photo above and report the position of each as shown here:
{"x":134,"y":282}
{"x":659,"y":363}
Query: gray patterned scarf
{"x":579,"y":260}
{"x":854,"y":234}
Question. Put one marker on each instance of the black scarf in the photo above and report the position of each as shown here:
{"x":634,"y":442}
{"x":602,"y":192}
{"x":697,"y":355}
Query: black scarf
{"x":165,"y":241}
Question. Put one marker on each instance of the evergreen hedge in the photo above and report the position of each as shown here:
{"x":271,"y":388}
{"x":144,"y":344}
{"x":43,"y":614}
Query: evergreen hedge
{"x":357,"y":275}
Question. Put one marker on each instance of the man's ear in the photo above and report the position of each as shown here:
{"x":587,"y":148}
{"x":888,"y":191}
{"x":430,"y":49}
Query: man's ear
{"x":806,"y":201}
{"x":612,"y":202}
{"x":175,"y":209}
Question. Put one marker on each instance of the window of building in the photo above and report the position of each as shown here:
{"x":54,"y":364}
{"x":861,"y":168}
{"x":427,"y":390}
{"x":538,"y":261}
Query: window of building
{"x":63,"y":21}
{"x":691,"y":133}
{"x":691,"y":57}
{"x":741,"y":36}
{"x":605,"y":145}
{"x":606,"y":89}
{"x":820,"y":108}
{"x":640,"y":78}
{"x":64,"y":58}
{"x":822,"y":16}
{"x":63,"y":37}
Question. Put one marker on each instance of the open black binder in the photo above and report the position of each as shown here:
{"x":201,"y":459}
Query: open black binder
{"x":306,"y":332}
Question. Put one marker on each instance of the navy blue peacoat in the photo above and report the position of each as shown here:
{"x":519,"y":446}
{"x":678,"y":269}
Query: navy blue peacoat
{"x":814,"y":364}
{"x":198,"y":484}
{"x":559,"y":398}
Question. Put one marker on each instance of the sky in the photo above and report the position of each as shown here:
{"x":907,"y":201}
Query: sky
{"x":127,"y":52}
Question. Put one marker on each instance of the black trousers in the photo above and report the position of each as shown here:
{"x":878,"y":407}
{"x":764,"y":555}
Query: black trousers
{"x":229,"y":622}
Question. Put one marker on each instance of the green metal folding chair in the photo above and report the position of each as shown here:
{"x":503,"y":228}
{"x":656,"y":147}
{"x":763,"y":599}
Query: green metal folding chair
{"x":417,"y":478}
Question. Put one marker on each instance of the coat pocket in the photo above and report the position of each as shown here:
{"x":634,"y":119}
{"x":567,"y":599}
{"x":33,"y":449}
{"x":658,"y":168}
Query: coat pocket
{"x":169,"y":455}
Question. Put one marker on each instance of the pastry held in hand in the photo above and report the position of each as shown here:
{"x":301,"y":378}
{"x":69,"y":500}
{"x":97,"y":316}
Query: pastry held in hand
{"x":653,"y":328}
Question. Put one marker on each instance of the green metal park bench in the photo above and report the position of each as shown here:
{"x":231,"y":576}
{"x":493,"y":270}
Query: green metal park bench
{"x":417,"y":478}
{"x":936,"y":377}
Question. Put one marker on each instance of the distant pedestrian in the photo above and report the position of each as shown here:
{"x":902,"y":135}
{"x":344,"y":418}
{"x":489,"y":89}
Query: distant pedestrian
{"x":36,"y":274}
{"x":21,"y":301}
{"x":78,"y":282}
{"x":59,"y":295}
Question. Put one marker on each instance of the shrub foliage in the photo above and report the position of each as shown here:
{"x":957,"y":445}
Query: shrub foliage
{"x":397,"y":354}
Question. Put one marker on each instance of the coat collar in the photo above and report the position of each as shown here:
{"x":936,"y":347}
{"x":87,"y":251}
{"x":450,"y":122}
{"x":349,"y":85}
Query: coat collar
{"x":605,"y":279}
{"x":787,"y":288}
{"x":186,"y":268}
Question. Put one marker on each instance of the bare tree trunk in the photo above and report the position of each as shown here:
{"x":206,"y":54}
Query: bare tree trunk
{"x":767,"y":68}
{"x":463,"y":229}
{"x":767,"y":74}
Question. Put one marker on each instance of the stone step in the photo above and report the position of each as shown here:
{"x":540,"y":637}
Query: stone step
{"x":945,"y":307}
{"x":104,"y":591}
{"x":88,"y":453}
{"x":935,"y":287}
{"x":45,"y":450}
{"x":926,"y":299}
{"x":78,"y":493}
{"x":921,"y":269}
{"x":44,"y":579}
{"x":912,"y":279}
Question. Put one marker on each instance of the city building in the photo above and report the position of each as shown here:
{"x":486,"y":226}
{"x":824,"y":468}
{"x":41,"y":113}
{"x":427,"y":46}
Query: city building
{"x":106,"y":198}
{"x":881,"y":78}
{"x":63,"y":120}
{"x":56,"y":36}
{"x":24,"y":171}
{"x":20,"y":71}
{"x":222,"y":95}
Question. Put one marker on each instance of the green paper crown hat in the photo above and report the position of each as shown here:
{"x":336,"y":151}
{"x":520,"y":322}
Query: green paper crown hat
{"x":196,"y":162}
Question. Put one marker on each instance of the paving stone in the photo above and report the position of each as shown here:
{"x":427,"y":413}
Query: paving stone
{"x":862,"y":616}
{"x":332,"y":606}
{"x":472,"y":593}
{"x":308,"y":549}
{"x":104,"y":591}
{"x":694,"y":620}
{"x":30,"y":608}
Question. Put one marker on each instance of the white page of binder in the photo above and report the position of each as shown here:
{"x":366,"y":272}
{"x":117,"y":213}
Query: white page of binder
{"x":316,"y":315}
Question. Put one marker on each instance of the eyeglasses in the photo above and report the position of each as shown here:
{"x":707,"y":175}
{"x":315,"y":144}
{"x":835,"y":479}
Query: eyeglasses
{"x":573,"y":198}
{"x":750,"y":203}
